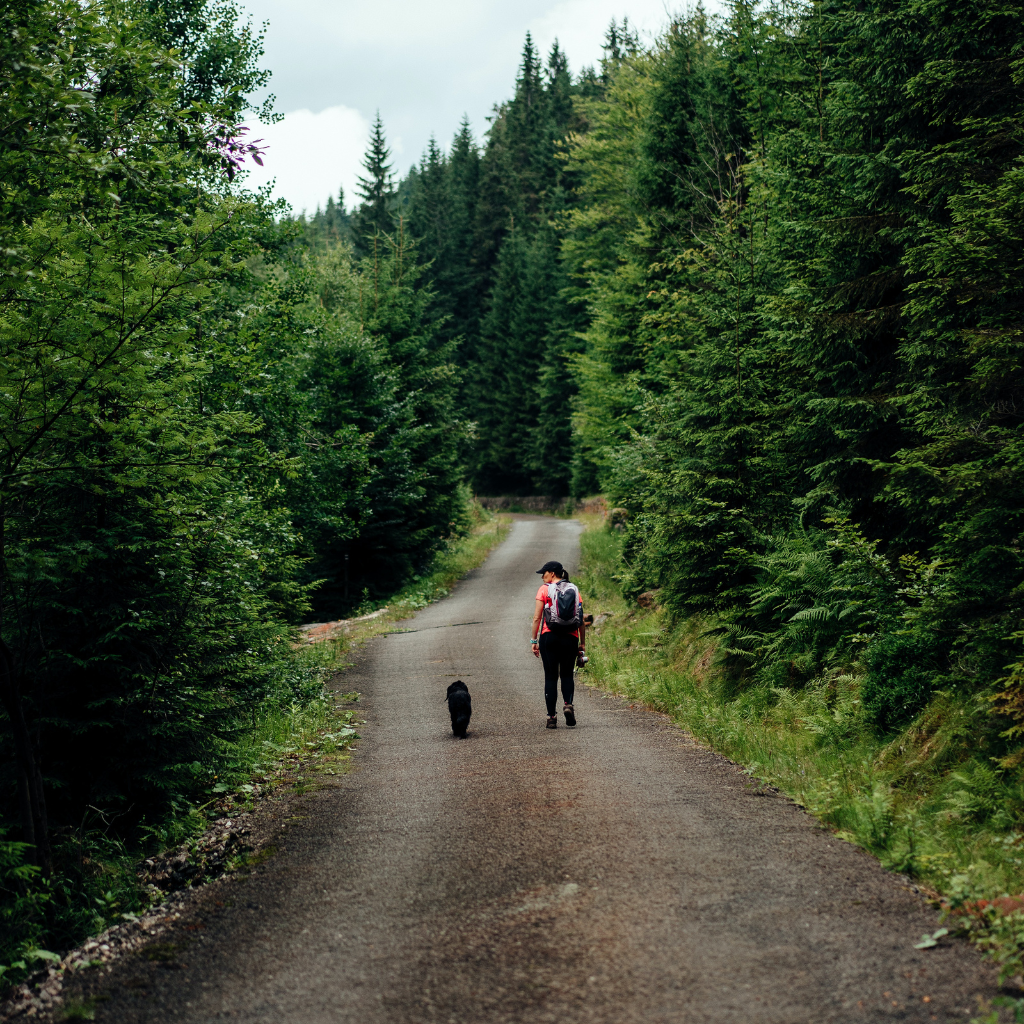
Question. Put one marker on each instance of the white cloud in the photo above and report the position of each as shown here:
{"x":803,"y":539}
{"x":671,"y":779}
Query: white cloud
{"x":312,"y":155}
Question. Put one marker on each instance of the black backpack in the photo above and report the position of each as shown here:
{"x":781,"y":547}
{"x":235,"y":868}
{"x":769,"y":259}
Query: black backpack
{"x":565,"y":612}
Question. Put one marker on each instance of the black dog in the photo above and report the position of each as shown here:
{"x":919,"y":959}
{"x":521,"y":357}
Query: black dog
{"x":460,"y":707}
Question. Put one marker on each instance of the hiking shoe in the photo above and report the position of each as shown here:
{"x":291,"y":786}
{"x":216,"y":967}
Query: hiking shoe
{"x":570,"y":716}
{"x":553,"y":722}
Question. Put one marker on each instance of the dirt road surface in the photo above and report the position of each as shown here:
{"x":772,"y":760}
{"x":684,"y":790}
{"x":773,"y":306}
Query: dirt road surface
{"x":614,"y":873}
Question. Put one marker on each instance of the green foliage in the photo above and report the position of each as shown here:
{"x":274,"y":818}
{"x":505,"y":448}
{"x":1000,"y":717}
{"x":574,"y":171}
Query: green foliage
{"x":797,"y":235}
{"x":482,"y":532}
{"x":489,"y":230}
{"x":21,"y":910}
{"x":143,"y":577}
{"x":1016,"y":1005}
{"x":377,"y":190}
{"x":901,"y":677}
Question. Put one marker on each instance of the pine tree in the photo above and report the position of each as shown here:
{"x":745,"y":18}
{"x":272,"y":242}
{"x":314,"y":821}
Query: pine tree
{"x":558,"y":87}
{"x":377,"y":190}
{"x":430,"y":206}
{"x":442,"y":218}
{"x":531,"y":135}
{"x":504,"y":289}
{"x":417,"y":455}
{"x":549,"y":326}
{"x":497,"y":200}
{"x":463,"y":278}
{"x":499,"y":396}
{"x":620,"y":43}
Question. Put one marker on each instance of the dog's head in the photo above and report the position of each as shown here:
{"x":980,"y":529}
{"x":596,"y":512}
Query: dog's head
{"x":456,"y":686}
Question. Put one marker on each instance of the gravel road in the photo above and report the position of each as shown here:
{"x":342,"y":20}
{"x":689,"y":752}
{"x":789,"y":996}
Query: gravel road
{"x":614,"y":873}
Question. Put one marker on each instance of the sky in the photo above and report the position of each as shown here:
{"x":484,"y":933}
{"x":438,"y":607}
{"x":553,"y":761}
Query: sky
{"x":423,"y":65}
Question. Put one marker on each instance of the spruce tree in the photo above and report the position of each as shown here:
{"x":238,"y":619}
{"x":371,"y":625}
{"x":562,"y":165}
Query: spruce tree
{"x":430,"y":206}
{"x":499,"y":391}
{"x":559,"y":90}
{"x":490,"y":226}
{"x":377,"y":190}
{"x":331,"y":226}
{"x":464,"y":274}
{"x":548,"y":324}
{"x":531,"y":135}
{"x":417,"y":455}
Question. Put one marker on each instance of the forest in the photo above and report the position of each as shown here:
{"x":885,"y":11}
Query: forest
{"x":760,"y":282}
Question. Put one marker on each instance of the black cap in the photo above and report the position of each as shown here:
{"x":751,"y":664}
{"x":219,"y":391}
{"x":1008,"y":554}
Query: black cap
{"x":550,"y":567}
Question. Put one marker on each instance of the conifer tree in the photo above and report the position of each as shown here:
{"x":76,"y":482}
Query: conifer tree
{"x":620,"y":42}
{"x":377,"y":190}
{"x":551,"y":326}
{"x":505,"y":291}
{"x":442,"y":204}
{"x":417,"y":454}
{"x":331,"y":226}
{"x":499,"y":392}
{"x":497,"y":200}
{"x":559,"y":90}
{"x":464,"y":273}
{"x":531,"y":135}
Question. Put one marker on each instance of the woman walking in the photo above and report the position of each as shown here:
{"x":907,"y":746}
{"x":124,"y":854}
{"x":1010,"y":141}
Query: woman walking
{"x":558,"y":637}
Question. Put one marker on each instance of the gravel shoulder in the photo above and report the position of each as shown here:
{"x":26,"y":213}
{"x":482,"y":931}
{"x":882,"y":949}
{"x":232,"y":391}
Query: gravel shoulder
{"x":614,"y":873}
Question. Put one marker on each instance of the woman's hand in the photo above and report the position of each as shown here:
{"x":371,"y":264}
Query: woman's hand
{"x":536,"y":650}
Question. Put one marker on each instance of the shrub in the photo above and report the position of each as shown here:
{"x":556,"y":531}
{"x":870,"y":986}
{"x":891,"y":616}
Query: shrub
{"x":902,"y":675}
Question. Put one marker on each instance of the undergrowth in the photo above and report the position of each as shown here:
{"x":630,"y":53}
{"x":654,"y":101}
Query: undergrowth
{"x":926,"y":800}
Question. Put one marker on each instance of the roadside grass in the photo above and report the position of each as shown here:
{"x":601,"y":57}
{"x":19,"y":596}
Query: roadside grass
{"x":290,"y":742}
{"x":926,"y":802}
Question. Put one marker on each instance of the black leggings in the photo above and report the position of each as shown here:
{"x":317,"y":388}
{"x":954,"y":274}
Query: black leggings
{"x":558,"y":652}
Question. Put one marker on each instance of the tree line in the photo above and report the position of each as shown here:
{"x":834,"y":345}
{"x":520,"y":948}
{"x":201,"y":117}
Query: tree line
{"x":798,"y":235}
{"x":487,"y":220}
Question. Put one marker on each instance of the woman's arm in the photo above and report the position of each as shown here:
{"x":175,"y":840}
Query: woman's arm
{"x":535,"y":630}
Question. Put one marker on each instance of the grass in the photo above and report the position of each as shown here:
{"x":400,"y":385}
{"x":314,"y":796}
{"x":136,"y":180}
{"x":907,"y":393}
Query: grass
{"x":80,"y":1009}
{"x":926,"y":802}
